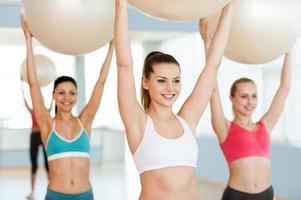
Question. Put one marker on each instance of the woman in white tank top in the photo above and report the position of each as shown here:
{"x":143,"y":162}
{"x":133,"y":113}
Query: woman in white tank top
{"x":163,"y":143}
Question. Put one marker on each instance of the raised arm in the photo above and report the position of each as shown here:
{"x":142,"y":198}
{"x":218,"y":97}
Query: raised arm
{"x":271,"y":117}
{"x":42,"y":115}
{"x":219,"y":122}
{"x":131,"y":112}
{"x":196,"y":103}
{"x":89,"y":111}
{"x":25,"y":102}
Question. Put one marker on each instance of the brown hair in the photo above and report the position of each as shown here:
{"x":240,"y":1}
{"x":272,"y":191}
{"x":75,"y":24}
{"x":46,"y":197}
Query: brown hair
{"x":153,"y":58}
{"x":238,"y":81}
{"x":62,"y":79}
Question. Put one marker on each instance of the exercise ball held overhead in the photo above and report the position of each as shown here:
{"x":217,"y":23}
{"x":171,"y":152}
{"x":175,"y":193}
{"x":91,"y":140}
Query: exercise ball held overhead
{"x":72,"y":27}
{"x":45,"y":70}
{"x":179,"y":10}
{"x":261,"y":30}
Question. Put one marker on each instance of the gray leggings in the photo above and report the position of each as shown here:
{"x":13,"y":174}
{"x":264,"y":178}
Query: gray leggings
{"x":232,"y":194}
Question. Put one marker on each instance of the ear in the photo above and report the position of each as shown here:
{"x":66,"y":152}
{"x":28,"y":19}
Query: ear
{"x":231,"y":99}
{"x":144,"y":82}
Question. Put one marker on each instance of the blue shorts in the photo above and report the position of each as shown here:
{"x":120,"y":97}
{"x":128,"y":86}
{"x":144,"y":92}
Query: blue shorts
{"x":52,"y":195}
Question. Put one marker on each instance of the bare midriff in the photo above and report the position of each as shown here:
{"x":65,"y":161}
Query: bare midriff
{"x":251,"y":174}
{"x":69,"y":175}
{"x":172,"y":183}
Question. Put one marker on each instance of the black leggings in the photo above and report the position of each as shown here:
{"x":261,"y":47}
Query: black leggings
{"x":232,"y":194}
{"x":35,"y":142}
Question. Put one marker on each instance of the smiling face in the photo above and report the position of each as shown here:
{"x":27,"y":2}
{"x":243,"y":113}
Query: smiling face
{"x":65,"y":96}
{"x":164,"y":84}
{"x":244,"y":98}
{"x":160,"y":79}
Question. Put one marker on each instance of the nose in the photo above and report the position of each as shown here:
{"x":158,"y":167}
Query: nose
{"x":66,"y":96}
{"x":169,"y":86}
{"x":250,"y":101}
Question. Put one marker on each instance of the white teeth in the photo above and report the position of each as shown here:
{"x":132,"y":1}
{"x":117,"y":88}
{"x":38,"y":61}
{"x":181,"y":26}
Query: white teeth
{"x":168,"y":95}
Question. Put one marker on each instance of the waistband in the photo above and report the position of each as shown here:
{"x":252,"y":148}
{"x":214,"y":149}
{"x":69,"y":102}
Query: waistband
{"x":53,"y":195}
{"x":266,"y":194}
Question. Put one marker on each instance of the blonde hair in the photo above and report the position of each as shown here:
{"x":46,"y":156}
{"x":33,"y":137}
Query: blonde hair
{"x":238,"y":81}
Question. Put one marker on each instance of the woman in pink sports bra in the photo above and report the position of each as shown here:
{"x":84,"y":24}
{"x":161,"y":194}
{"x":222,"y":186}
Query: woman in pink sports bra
{"x":158,"y":138}
{"x":246,"y":144}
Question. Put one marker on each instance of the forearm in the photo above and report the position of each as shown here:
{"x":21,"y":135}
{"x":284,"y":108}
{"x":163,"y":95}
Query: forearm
{"x":221,"y":36}
{"x":106,"y":65}
{"x":286,"y":72}
{"x":121,"y":35}
{"x":30,"y":65}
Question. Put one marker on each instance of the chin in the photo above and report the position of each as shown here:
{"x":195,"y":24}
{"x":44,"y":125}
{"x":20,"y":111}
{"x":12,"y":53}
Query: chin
{"x":248,"y":113}
{"x":165,"y":104}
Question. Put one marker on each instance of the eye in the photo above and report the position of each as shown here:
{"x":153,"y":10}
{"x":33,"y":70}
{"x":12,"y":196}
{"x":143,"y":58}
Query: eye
{"x":177,"y":81}
{"x":161,"y":81}
{"x":73,"y":93}
{"x":255,"y":96}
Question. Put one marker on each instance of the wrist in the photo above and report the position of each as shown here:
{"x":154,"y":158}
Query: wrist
{"x":121,"y":2}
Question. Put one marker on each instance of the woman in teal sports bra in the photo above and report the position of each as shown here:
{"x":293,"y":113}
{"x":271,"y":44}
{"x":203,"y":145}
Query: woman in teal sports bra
{"x":66,"y":137}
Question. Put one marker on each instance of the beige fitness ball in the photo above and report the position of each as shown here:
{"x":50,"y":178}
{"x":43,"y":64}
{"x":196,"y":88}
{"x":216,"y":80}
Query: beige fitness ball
{"x":178,"y":10}
{"x":72,"y":27}
{"x":262,"y":30}
{"x":45,"y":70}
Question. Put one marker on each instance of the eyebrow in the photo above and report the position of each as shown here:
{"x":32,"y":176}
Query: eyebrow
{"x":248,"y":94}
{"x":166,"y":77}
{"x":62,"y":90}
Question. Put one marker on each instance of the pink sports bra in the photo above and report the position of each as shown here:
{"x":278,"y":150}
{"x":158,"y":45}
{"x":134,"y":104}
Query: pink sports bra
{"x":241,"y":143}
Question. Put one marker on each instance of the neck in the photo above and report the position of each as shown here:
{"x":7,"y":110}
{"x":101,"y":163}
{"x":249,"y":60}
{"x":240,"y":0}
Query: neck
{"x":161,"y":112}
{"x":63,"y":115}
{"x":244,"y":120}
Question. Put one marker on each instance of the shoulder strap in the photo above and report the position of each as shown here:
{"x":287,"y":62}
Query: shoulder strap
{"x":80,"y":123}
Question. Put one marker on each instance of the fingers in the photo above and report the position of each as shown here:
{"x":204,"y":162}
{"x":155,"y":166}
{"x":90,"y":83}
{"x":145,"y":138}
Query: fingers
{"x":25,"y":26}
{"x":204,"y":30}
{"x":203,"y":23}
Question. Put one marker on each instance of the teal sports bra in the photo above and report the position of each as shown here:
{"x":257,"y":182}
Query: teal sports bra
{"x":58,"y":147}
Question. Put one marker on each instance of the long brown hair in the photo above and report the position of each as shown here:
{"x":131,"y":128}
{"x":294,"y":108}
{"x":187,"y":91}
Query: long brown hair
{"x":153,"y":58}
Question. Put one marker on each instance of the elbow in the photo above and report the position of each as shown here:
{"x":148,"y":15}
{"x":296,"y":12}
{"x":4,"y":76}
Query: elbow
{"x":102,"y":81}
{"x":286,"y":86}
{"x":124,"y":63}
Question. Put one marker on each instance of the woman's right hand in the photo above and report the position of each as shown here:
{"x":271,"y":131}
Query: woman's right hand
{"x":25,"y":27}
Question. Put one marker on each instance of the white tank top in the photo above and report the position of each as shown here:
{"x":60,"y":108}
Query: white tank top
{"x":155,"y":151}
